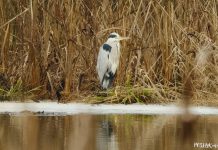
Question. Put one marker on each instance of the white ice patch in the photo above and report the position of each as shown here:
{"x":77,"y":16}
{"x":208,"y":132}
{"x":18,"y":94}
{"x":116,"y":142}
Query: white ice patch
{"x":78,"y":108}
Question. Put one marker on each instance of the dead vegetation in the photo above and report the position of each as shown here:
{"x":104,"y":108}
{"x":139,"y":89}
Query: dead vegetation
{"x":48,"y":43}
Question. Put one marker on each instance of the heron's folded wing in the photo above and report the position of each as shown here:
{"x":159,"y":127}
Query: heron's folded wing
{"x":102,"y":63}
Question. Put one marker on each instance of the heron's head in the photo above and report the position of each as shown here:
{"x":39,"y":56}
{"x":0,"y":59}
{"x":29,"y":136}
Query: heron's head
{"x":116,"y":37}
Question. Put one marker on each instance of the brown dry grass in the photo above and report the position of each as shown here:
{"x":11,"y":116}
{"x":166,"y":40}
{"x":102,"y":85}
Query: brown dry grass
{"x":46,"y":43}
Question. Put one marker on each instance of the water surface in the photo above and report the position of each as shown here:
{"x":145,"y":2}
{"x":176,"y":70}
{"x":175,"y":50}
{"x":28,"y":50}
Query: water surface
{"x":105,"y":132}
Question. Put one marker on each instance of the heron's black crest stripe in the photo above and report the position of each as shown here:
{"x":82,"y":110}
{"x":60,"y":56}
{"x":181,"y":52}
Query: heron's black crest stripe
{"x":112,"y":36}
{"x":107,"y":47}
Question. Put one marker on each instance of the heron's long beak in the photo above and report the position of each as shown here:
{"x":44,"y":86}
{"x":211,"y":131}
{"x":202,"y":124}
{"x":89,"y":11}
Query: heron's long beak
{"x":123,"y":38}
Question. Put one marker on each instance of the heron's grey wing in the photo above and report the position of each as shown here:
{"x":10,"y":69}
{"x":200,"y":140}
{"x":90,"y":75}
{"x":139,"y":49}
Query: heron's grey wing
{"x":102,"y":63}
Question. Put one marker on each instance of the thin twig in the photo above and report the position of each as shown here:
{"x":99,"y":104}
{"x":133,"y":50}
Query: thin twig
{"x":14,"y":18}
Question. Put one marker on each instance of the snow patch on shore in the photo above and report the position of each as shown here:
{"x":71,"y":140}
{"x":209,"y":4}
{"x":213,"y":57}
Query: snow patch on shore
{"x":55,"y":108}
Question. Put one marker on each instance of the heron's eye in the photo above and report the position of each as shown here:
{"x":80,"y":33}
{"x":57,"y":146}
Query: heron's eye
{"x":112,"y":36}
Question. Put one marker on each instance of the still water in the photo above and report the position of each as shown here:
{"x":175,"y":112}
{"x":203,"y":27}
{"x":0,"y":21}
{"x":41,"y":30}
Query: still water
{"x":105,"y":132}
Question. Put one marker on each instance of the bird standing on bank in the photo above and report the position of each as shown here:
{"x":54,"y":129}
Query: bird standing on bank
{"x":108,"y":59}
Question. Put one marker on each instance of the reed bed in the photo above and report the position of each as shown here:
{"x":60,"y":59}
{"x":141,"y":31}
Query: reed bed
{"x":52,"y":46}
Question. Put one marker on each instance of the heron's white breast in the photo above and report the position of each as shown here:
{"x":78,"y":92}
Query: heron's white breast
{"x":114,"y":56}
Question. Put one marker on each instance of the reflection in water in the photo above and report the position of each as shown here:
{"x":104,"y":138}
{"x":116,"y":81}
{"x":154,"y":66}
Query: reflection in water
{"x":104,"y":132}
{"x":106,"y":139}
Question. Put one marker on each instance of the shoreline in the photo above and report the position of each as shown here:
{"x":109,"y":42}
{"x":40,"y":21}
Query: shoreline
{"x":55,"y":108}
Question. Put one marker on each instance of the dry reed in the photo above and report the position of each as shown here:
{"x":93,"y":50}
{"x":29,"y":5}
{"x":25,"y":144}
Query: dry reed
{"x":47,"y":43}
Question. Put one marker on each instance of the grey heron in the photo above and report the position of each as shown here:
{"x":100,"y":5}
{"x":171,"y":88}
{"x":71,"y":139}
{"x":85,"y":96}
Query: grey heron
{"x":108,"y":59}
